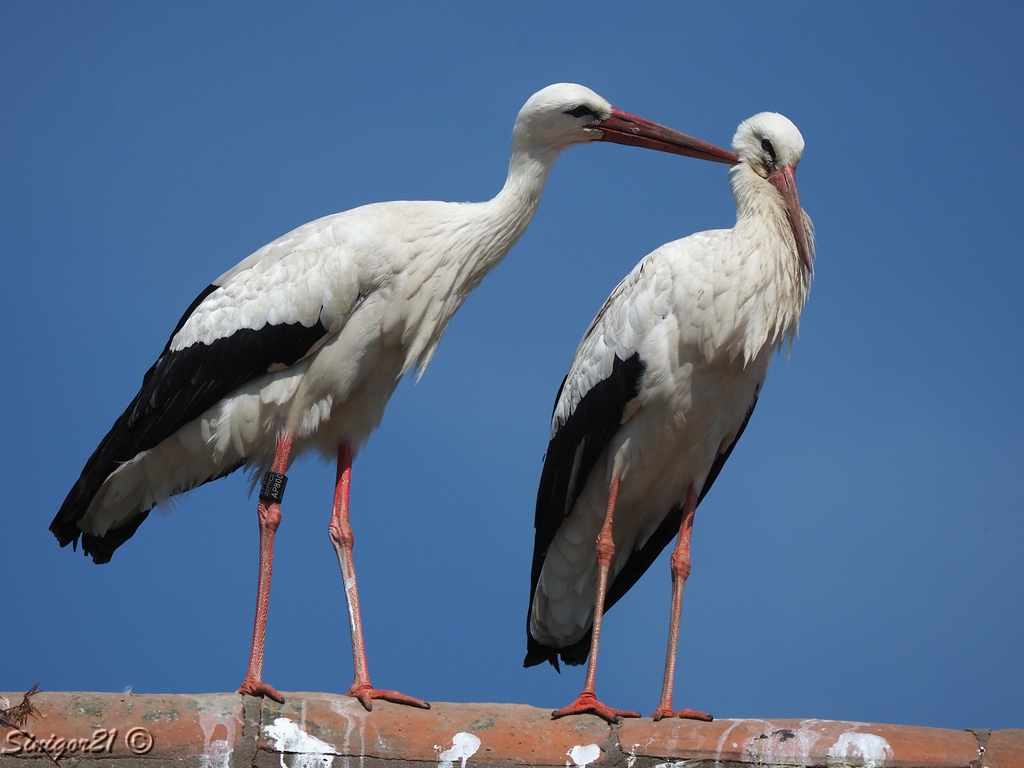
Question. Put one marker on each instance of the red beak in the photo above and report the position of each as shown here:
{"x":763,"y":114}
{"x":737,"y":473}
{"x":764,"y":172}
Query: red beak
{"x":784,"y":180}
{"x":624,"y":128}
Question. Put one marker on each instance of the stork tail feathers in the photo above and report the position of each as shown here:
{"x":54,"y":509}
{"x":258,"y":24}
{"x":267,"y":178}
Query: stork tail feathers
{"x":572,"y":655}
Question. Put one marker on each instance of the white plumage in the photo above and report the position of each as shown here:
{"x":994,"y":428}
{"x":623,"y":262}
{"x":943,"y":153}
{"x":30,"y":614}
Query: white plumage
{"x":300,"y":346}
{"x":384,"y":280}
{"x":660,"y":389}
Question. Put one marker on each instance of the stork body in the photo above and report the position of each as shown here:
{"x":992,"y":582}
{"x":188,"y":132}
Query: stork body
{"x":309,"y":336}
{"x":301,"y":345}
{"x":659,"y":391}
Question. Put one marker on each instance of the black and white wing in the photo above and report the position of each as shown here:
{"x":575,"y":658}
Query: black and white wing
{"x":603,"y":387}
{"x":272,"y":310}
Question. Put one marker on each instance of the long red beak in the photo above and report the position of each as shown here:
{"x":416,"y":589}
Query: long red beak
{"x":784,"y":180}
{"x":624,"y":128}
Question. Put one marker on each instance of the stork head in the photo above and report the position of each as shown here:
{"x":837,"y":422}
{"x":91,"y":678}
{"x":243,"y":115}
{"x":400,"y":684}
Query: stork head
{"x":770,"y":146}
{"x":564,"y":114}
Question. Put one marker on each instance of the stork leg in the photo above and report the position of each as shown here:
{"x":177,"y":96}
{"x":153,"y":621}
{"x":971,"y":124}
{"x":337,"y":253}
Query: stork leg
{"x":587,"y":700}
{"x":269,"y":518}
{"x":341,"y":537}
{"x":680,"y":572}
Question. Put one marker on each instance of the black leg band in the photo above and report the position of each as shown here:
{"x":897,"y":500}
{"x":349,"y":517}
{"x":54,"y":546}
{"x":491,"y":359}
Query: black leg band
{"x":272,"y":489}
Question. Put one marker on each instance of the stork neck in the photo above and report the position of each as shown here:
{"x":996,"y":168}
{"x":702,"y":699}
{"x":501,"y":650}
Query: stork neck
{"x":761,"y":212}
{"x":509,"y":213}
{"x":486,"y":232}
{"x":528,"y":171}
{"x":768,"y":267}
{"x":754,"y":196}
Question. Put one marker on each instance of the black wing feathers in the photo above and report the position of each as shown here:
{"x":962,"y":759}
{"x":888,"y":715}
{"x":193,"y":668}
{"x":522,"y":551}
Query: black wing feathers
{"x":640,"y":560}
{"x":179,"y":387}
{"x":571,"y":455}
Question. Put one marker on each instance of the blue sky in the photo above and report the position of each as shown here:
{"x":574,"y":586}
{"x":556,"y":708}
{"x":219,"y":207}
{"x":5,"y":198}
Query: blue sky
{"x":859,"y":558}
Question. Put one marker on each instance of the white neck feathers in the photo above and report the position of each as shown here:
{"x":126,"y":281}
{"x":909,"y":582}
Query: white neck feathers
{"x":770,"y":280}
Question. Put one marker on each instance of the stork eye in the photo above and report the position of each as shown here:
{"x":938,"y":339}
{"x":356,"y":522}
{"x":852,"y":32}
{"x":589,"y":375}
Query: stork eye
{"x":767,"y":147}
{"x":581,"y":111}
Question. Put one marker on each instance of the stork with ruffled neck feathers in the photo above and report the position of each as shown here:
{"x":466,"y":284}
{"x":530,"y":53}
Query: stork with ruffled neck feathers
{"x":660,"y":389}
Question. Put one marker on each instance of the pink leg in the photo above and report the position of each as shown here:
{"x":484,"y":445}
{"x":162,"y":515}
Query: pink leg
{"x":270,"y":519}
{"x":341,"y":536}
{"x":680,"y":572}
{"x":587,"y":700}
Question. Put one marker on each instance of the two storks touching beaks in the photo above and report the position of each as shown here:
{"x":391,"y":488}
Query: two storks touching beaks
{"x":300,"y":346}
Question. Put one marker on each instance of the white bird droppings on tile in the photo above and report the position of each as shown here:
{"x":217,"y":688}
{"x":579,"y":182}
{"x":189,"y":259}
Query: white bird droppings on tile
{"x":873,"y":751}
{"x":583,"y":756}
{"x":464,"y":746}
{"x":220,"y":719}
{"x":309,"y":751}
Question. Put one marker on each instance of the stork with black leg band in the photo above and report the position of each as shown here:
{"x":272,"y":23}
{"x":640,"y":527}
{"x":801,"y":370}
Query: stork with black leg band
{"x":269,"y":512}
{"x":272,"y":489}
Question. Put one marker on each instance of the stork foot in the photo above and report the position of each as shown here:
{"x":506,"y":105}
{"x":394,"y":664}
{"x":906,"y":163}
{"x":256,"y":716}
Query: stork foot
{"x":366,"y":694}
{"x":254,"y":688}
{"x":587,"y":703}
{"x":689,"y":714}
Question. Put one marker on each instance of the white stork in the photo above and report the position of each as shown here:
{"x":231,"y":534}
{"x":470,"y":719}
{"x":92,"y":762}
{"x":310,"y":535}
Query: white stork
{"x":301,"y":345}
{"x":659,"y":391}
